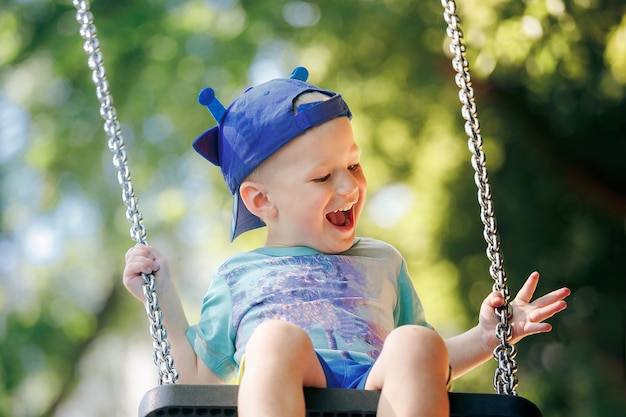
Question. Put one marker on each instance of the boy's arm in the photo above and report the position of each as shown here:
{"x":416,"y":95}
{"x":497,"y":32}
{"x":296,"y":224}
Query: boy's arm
{"x":145,"y":259}
{"x":476,"y":346}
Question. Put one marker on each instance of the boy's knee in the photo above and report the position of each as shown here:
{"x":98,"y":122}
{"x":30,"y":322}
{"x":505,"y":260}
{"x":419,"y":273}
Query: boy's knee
{"x":414,"y":332}
{"x":282,"y":352}
{"x":417,"y":340}
{"x":278,"y":336}
{"x":278,"y":327}
{"x":412,"y":351}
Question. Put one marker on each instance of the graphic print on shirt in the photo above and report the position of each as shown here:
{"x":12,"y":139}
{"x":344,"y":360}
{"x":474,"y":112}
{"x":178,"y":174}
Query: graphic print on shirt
{"x":327,"y":296}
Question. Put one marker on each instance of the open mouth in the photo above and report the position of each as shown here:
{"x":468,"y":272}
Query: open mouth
{"x":341,"y":218}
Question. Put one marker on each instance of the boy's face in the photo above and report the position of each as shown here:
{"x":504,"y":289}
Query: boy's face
{"x":318,"y":189}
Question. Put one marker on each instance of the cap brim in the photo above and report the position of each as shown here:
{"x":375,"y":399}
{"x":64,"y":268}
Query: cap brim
{"x":243,"y":220}
{"x":206,"y":145}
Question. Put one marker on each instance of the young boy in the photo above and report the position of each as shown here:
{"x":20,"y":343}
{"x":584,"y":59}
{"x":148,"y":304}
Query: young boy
{"x":316,"y":306}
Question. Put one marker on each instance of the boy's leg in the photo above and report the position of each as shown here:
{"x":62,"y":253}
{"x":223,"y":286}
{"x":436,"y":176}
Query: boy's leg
{"x":411,"y":372}
{"x":280,"y":361}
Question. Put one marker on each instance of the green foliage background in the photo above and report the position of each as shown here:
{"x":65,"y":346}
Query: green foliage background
{"x":550,"y":80}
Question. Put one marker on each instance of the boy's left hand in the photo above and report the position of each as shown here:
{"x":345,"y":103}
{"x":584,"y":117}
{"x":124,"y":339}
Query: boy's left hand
{"x":528,"y":317}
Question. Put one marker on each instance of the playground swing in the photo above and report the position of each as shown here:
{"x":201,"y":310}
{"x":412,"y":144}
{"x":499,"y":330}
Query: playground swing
{"x":171,"y":399}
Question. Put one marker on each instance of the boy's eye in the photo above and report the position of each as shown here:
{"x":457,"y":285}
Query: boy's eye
{"x":354,"y":167}
{"x":323,"y":179}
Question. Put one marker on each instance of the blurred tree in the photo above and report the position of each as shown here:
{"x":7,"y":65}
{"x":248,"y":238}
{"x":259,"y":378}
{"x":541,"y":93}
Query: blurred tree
{"x":550,"y":80}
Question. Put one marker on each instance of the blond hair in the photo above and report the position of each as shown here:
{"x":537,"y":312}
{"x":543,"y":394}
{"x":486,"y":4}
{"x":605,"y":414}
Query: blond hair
{"x":308,"y":97}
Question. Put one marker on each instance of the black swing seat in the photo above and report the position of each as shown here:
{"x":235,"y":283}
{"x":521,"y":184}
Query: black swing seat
{"x":221,"y":401}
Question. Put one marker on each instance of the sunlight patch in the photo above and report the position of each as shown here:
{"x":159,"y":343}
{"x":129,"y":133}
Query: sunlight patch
{"x":390,"y":204}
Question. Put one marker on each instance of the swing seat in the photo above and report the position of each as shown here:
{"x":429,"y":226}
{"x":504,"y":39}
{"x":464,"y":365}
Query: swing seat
{"x":221,"y":401}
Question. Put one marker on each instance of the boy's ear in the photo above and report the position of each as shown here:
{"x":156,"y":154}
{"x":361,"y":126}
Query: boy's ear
{"x":254,"y":196}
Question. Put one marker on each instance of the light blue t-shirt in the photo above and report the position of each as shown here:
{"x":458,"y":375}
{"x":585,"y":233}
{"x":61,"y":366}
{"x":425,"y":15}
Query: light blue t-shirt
{"x":347,"y":303}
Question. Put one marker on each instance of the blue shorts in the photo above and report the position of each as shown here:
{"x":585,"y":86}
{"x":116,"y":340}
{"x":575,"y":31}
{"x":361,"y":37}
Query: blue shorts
{"x":340,"y":373}
{"x":345,"y":373}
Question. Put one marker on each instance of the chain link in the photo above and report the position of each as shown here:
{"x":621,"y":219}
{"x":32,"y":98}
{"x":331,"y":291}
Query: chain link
{"x":115,"y":142}
{"x":505,"y":378}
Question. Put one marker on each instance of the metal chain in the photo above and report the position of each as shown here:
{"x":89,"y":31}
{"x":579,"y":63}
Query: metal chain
{"x":505,"y":378}
{"x":160,"y":346}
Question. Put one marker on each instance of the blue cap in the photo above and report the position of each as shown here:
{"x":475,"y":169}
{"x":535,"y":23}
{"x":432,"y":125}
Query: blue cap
{"x":256,"y":125}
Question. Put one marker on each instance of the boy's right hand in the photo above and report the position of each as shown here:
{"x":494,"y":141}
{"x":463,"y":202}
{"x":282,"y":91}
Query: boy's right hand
{"x":147,"y":260}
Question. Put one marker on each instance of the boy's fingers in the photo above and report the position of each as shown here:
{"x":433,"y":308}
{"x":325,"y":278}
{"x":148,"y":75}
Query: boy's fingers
{"x":495,"y":299}
{"x":525,"y":294}
{"x":534,"y":328}
{"x":140,"y":250}
{"x":552,"y":297}
{"x":549,"y":310}
{"x":134,"y":251}
{"x":136,"y":265}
